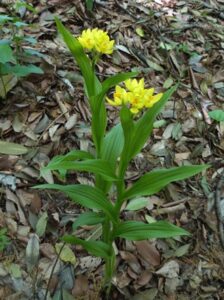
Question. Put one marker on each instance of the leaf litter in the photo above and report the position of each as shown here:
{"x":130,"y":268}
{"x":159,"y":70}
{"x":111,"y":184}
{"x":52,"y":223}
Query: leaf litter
{"x":46,"y":115}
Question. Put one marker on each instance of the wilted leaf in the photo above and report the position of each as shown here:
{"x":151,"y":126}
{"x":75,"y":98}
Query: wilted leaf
{"x":140,"y":31}
{"x":41,"y":224}
{"x":6,"y":84}
{"x":66,"y":254}
{"x":32,"y":251}
{"x":12,"y":148}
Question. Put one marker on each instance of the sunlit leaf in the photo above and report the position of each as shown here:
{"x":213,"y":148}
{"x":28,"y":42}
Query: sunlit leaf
{"x":12,"y":148}
{"x":66,"y":253}
{"x":137,"y":231}
{"x":96,"y":166}
{"x":154,"y":181}
{"x":86,"y":196}
{"x":217,"y":115}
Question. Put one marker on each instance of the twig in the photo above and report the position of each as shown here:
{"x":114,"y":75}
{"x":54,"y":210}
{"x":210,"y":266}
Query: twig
{"x":49,"y":126}
{"x":52,"y":271}
{"x":171,"y":209}
{"x":219,"y":201}
{"x":61,"y":105}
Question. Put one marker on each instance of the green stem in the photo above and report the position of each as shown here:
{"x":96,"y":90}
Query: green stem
{"x":3,"y":83}
{"x":110,"y":264}
{"x":106,"y":230}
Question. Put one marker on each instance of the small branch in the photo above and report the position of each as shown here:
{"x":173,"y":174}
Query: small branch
{"x":52,"y":271}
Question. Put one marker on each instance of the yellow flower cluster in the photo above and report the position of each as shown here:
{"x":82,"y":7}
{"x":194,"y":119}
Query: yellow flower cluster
{"x":135,"y":95}
{"x":96,"y":39}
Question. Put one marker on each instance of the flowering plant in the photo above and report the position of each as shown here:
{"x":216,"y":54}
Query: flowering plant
{"x":114,"y":149}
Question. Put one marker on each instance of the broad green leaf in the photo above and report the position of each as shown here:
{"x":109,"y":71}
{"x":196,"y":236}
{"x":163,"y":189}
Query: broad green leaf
{"x":137,"y":203}
{"x":86,"y":196}
{"x":92,"y":83}
{"x":144,"y":126}
{"x":96,"y":248}
{"x":217,"y":115}
{"x":22,"y":71}
{"x":138,"y":134}
{"x":4,"y":18}
{"x":99,"y":111}
{"x":6,"y":54}
{"x":154,"y":181}
{"x":7,"y":82}
{"x":127,"y":124}
{"x":116,"y":79}
{"x":12,"y":148}
{"x":99,"y":124}
{"x":89,"y":4}
{"x":96,"y":166}
{"x":42,"y":224}
{"x":136,"y":231}
{"x":111,"y":149}
{"x":66,"y":253}
{"x":71,"y":156}
{"x":113,"y":144}
{"x":88,"y":218}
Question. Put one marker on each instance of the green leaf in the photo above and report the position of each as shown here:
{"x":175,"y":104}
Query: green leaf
{"x":89,"y":4}
{"x":12,"y":148}
{"x":96,"y":248}
{"x":127,"y":124}
{"x":22,"y":71}
{"x":99,"y":123}
{"x":144,"y":125}
{"x":92,"y":83}
{"x":86,"y":196}
{"x":88,"y":218}
{"x":6,"y":54}
{"x":154,"y":181}
{"x":137,"y":134}
{"x":42,"y":224}
{"x":113,"y":144}
{"x":96,"y":166}
{"x":217,"y":115}
{"x":116,"y":79}
{"x":7,"y":83}
{"x":71,"y":156}
{"x":106,"y":85}
{"x":4,"y":18}
{"x":137,"y":203}
{"x":136,"y":231}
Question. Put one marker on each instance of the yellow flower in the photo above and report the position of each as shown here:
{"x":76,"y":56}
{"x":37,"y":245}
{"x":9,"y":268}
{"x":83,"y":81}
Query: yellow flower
{"x":103,"y":44}
{"x":120,"y":97}
{"x":149,"y":100}
{"x":136,"y":102}
{"x":96,"y":39}
{"x":136,"y":96}
{"x":87,"y":39}
{"x":135,"y":86}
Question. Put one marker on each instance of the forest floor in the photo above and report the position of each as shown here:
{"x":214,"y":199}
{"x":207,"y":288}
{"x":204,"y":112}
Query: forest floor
{"x":167,"y":41}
